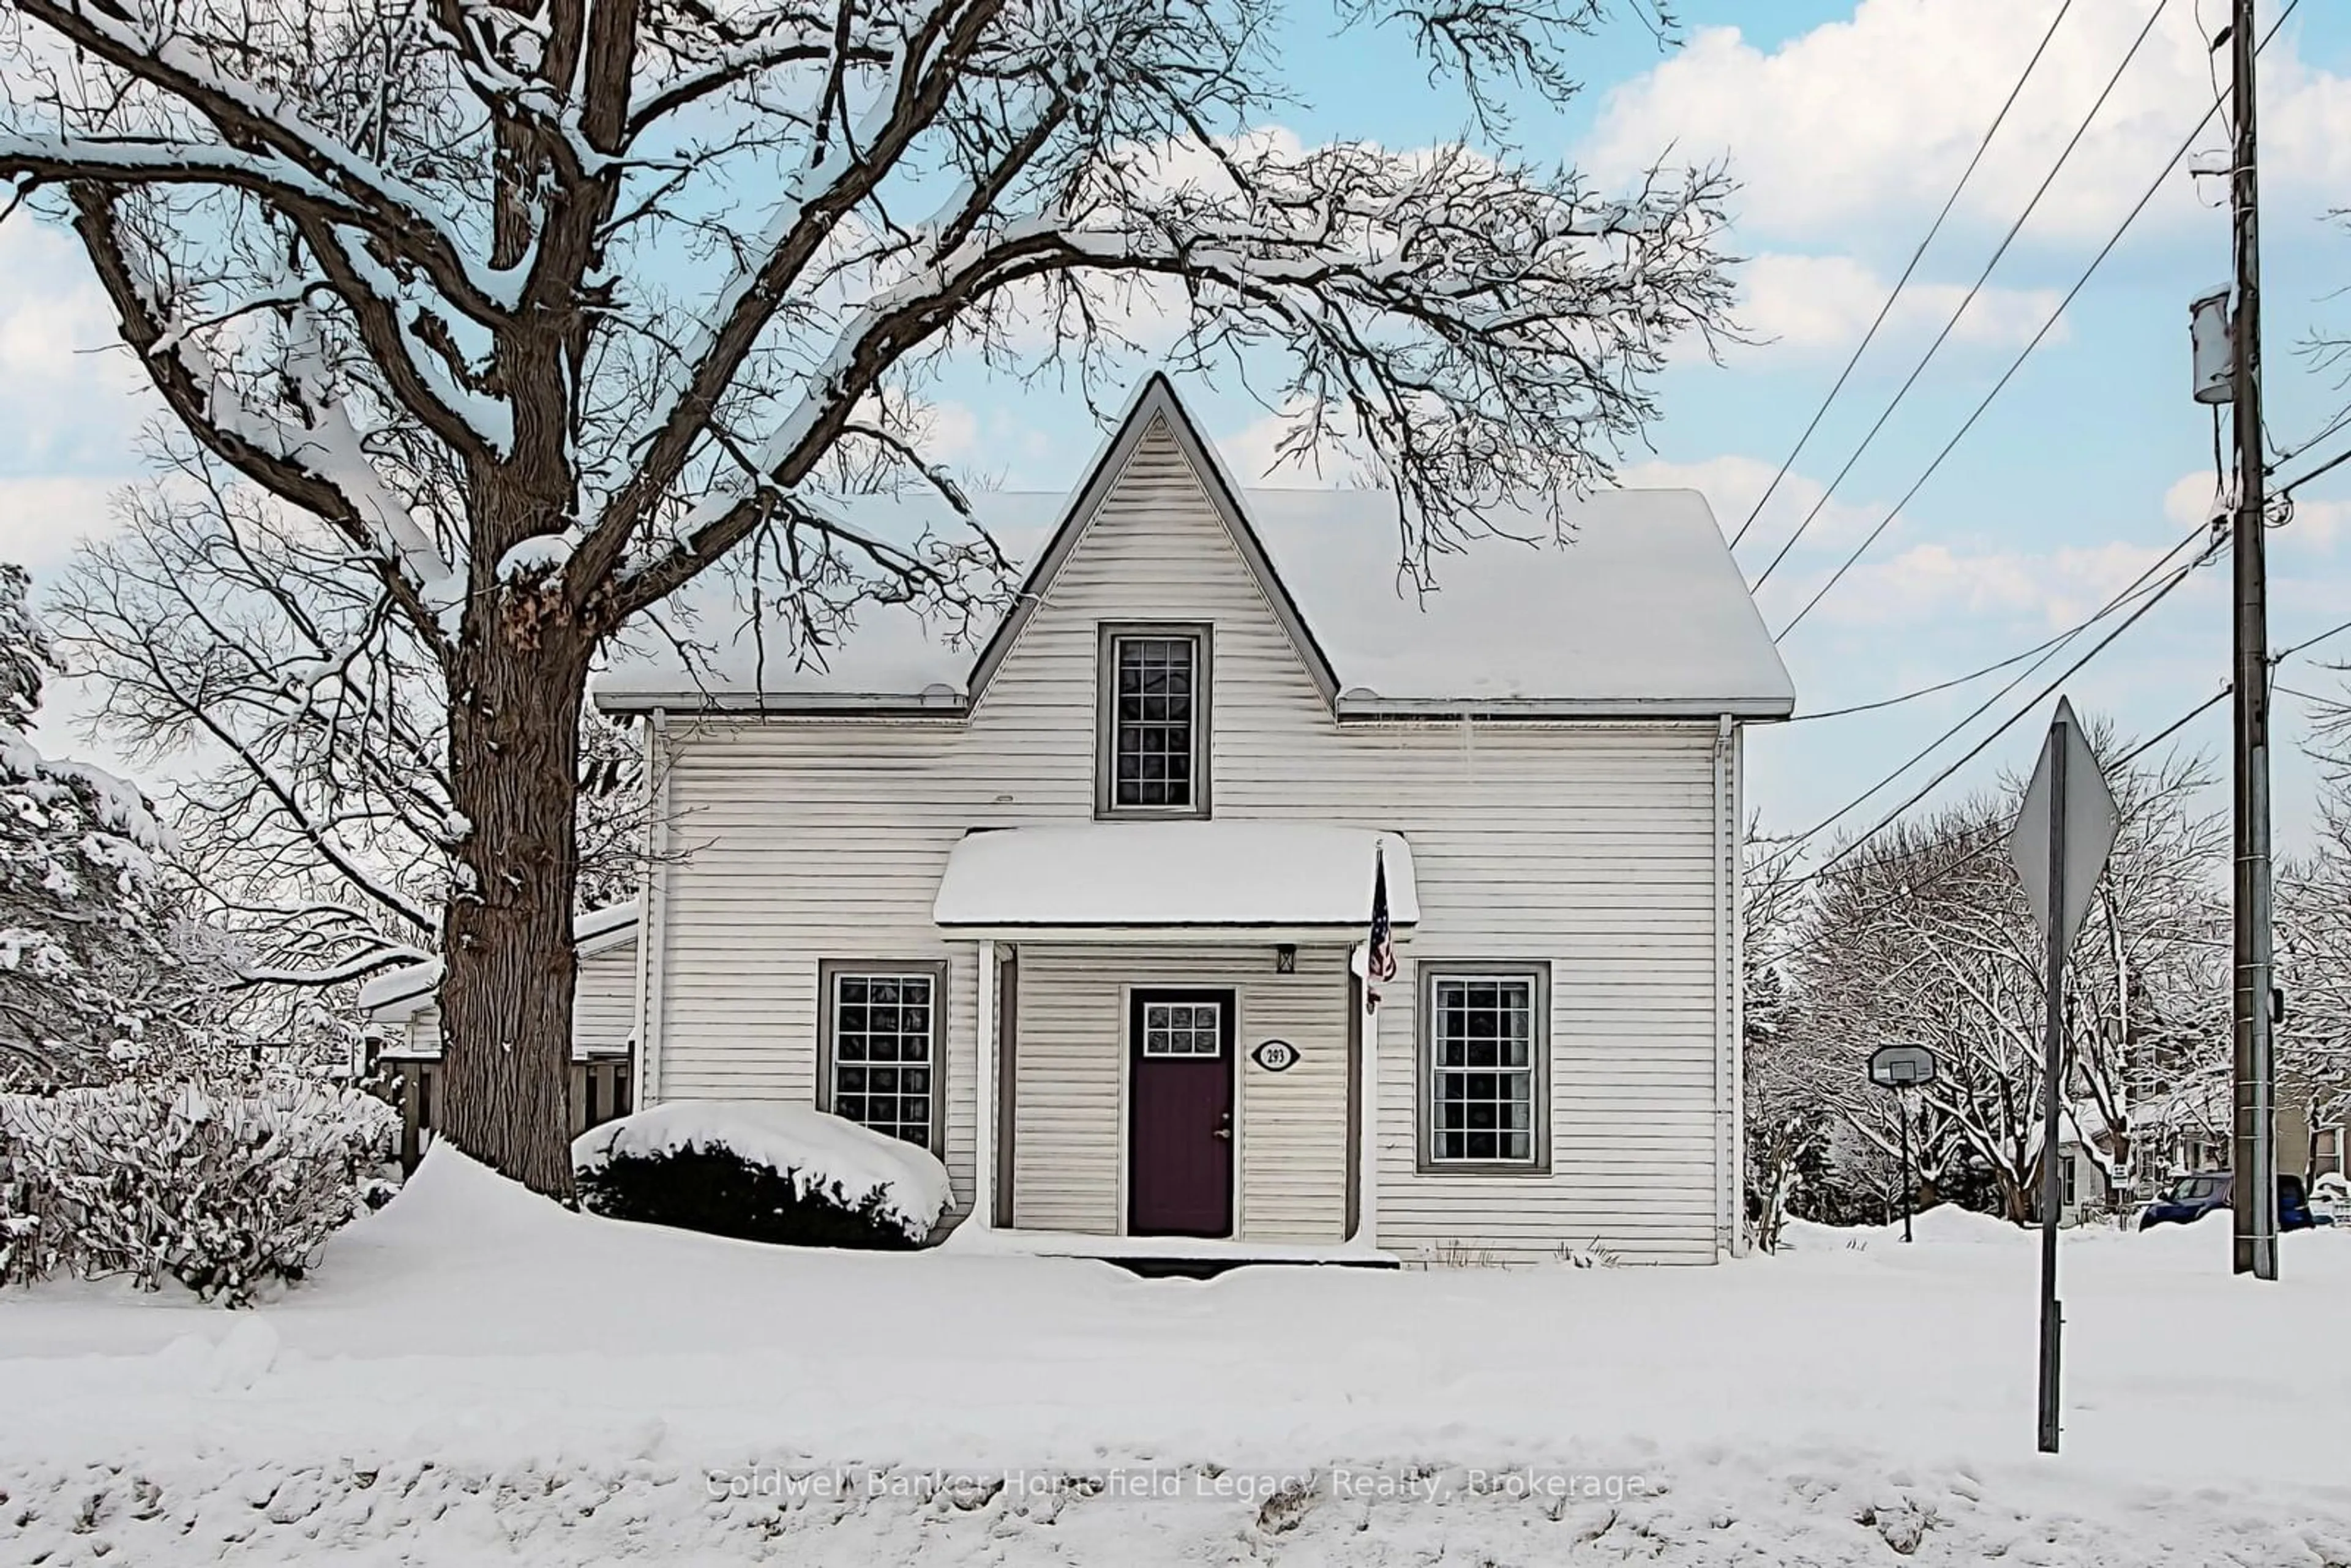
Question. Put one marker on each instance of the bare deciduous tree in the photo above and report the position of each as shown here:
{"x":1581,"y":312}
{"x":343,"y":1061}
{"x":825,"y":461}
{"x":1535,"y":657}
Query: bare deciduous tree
{"x":236,"y":634}
{"x":547,"y":308}
{"x":2314,"y":937}
{"x":1923,"y":935}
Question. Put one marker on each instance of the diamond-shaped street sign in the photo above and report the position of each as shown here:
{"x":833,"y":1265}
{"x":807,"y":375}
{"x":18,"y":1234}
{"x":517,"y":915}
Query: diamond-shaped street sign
{"x":2091,"y":821}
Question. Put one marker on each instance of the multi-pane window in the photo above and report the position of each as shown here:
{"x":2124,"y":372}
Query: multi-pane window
{"x":884,"y":1032}
{"x":1484,"y":1079}
{"x":1183,"y":1028}
{"x":1155,"y":694}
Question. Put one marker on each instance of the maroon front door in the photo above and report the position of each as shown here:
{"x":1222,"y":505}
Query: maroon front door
{"x":1180,"y":1129}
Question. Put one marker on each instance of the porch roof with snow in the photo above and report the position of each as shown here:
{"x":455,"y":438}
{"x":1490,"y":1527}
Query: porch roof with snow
{"x":398,"y":994}
{"x":1643,"y":613}
{"x":1248,"y":878}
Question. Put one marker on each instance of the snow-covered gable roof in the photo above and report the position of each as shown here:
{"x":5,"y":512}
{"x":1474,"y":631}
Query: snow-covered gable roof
{"x":1643,"y":613}
{"x":396,"y":993}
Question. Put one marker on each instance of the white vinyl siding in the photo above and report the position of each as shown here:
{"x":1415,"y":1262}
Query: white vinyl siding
{"x":1069,"y":1084}
{"x":1592,"y":847}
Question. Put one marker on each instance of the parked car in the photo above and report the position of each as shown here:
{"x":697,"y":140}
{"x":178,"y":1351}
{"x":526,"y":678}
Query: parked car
{"x":2192,"y":1197}
{"x":2330,"y":1199}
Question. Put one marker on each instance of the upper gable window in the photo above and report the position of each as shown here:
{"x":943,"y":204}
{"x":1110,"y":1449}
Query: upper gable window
{"x":1153,"y":750}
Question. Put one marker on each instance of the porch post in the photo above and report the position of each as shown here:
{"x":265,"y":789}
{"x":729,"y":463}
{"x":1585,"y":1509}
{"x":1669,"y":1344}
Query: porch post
{"x":983,"y":1175}
{"x":1367,"y":1113}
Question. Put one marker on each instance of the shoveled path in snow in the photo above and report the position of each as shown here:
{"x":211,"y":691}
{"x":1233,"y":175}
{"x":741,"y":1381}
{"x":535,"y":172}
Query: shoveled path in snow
{"x":475,"y":1377}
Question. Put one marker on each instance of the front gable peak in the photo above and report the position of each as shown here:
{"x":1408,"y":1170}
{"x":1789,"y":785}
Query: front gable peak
{"x":1154,"y":410}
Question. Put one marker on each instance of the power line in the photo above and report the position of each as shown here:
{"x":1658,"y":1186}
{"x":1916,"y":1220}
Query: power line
{"x":2285,"y":654}
{"x":2058,"y":640}
{"x":2290,"y":486}
{"x":2177,"y":578}
{"x":2283,"y":458}
{"x":2124,"y":760}
{"x":2174,"y":727}
{"x":2018,"y":363}
{"x":1973,"y":289}
{"x":1983,"y":708}
{"x":1902,"y":282}
{"x":1971,"y":856}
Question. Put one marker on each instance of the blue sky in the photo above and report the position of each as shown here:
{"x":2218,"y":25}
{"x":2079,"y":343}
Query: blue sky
{"x":1847,"y":125}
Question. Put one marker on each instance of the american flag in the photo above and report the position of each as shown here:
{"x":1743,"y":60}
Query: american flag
{"x":1379,"y":959}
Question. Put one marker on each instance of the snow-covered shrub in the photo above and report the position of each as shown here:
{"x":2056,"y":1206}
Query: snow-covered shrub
{"x":761,"y":1172}
{"x":221,"y":1192}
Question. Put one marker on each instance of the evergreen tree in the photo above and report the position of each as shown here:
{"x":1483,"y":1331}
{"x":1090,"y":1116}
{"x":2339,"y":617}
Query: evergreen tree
{"x":96,"y":976}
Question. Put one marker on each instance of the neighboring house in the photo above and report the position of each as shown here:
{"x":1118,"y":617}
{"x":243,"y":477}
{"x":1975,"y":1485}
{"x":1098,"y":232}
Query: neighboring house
{"x":2314,"y":1131}
{"x":2086,"y":1177}
{"x":404,"y":1011}
{"x":2178,"y":1133}
{"x":2184,"y":1131}
{"x":1083,"y":908}
{"x":2175,"y":1132}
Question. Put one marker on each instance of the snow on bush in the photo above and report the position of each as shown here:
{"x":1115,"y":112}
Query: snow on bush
{"x":103,"y":973}
{"x":764,"y":1172}
{"x":219,"y":1192}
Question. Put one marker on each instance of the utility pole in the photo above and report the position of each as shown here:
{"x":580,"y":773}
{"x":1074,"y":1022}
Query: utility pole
{"x":2254,"y":1161}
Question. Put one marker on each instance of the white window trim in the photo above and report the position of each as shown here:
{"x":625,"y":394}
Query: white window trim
{"x":829,"y":973}
{"x":1201,"y":636}
{"x":1216,"y":1035}
{"x":1536,"y":975}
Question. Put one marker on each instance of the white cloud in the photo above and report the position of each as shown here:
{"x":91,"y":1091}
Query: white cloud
{"x":1256,"y":455}
{"x":2192,"y":498}
{"x":70,"y":401}
{"x":1732,"y":484}
{"x":1929,"y":583}
{"x":43,"y":517}
{"x":1920,"y":588}
{"x":2312,"y":528}
{"x":1815,"y":304}
{"x":1872,"y":118}
{"x":2315,"y":525}
{"x":954,"y":431}
{"x":70,"y":398}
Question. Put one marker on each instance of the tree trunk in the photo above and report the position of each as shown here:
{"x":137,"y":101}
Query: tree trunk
{"x":507,"y":989}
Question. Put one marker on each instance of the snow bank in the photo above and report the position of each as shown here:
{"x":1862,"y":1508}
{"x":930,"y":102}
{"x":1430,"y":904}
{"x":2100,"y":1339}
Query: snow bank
{"x":819,"y":1151}
{"x":1945,"y":1224}
{"x":478,"y":1376}
{"x":1822,"y":1508}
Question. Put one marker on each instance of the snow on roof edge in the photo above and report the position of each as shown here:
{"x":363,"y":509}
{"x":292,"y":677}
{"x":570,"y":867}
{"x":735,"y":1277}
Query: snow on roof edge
{"x":411,"y":982}
{"x":1216,"y":872}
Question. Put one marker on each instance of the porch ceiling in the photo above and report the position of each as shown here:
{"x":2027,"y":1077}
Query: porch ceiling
{"x":1253,"y":880}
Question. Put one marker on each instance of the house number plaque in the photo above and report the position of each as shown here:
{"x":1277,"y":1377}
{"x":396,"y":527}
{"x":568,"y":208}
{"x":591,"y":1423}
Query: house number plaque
{"x":1275,"y":1055}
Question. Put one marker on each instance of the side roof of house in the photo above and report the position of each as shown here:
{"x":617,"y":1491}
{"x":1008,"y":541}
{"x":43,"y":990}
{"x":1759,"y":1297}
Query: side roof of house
{"x":1643,"y":612}
{"x":397,"y":993}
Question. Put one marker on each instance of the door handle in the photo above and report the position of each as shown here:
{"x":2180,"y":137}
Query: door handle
{"x":1223,"y":1127}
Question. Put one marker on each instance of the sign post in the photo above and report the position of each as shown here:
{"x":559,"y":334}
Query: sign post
{"x":1901,"y":1068}
{"x":2063,"y":836}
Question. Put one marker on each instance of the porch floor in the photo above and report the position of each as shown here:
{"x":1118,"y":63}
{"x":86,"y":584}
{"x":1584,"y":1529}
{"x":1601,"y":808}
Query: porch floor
{"x":1163,"y":1257}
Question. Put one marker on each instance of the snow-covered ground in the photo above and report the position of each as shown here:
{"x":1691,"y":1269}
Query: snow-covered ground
{"x":475,"y":1377}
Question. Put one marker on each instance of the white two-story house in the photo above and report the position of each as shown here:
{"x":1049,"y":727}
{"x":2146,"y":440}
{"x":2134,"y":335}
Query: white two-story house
{"x":1083,"y":908}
